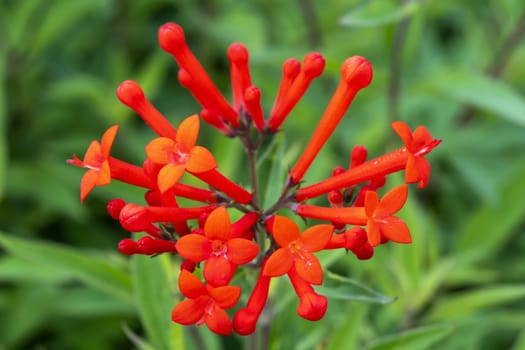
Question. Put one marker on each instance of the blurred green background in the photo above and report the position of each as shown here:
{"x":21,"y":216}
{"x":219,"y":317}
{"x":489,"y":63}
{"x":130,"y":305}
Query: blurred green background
{"x":457,"y":67}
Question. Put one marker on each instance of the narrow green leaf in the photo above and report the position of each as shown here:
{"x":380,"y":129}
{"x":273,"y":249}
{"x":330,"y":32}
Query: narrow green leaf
{"x":344,"y":288}
{"x":379,"y":13}
{"x":467,"y":303}
{"x":3,"y":121}
{"x":94,"y":270}
{"x":482,"y":92}
{"x":417,"y":339}
{"x":347,"y":335}
{"x":153,"y":279}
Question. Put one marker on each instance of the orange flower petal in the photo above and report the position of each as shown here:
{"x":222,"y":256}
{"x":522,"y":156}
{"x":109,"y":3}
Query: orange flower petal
{"x":392,"y":201}
{"x":411,"y":171}
{"x":285,"y":230}
{"x":373,"y":233}
{"x":194,"y":247}
{"x":423,"y":168}
{"x":226,"y":296}
{"x":404,"y":133}
{"x":279,"y":263}
{"x":189,"y":311}
{"x":396,"y":230}
{"x":169,"y":175}
{"x":94,"y":156}
{"x":309,"y":268}
{"x":188,"y":131}
{"x":190,"y":286}
{"x":107,"y":140}
{"x":218,"y":321}
{"x":218,"y":225}
{"x":218,"y":271}
{"x":104,"y":174}
{"x":241,"y":251}
{"x":371,"y":202}
{"x":89,"y":179}
{"x":421,"y":137}
{"x":158,"y":150}
{"x":201,"y":160}
{"x":316,"y":237}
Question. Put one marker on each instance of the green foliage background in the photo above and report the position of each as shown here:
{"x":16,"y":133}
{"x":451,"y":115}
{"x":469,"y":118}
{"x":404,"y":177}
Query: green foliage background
{"x":455,"y":66}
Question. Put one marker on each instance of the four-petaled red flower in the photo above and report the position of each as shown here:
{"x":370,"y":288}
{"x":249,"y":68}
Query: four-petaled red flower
{"x":297,"y":250}
{"x":380,"y":216}
{"x":96,"y":161}
{"x":221,"y":253}
{"x":180,"y":155}
{"x":205,"y":304}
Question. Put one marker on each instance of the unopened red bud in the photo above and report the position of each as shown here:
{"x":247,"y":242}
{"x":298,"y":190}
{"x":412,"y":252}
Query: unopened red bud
{"x":338,"y":170}
{"x":355,"y":238}
{"x":171,"y":37}
{"x":365,"y":252}
{"x":184,"y":78}
{"x":313,"y":64}
{"x":291,"y":68}
{"x":130,"y":94}
{"x":128,"y":246}
{"x":114,"y":207}
{"x":357,"y":72}
{"x":335,"y":198}
{"x":134,"y":218}
{"x":188,"y":266}
{"x":238,"y":53}
{"x":312,"y":306}
{"x":153,"y":198}
{"x":358,"y":155}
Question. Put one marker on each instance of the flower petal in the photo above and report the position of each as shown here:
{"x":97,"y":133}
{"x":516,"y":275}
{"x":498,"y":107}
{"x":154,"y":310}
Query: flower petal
{"x":392,"y":201}
{"x":194,"y":247}
{"x":423,"y":167}
{"x":89,"y":179}
{"x":104,"y":174}
{"x":373,"y":233}
{"x":241,"y":251}
{"x":316,"y":237}
{"x":218,"y":225}
{"x":158,"y":150}
{"x":190,"y":286}
{"x":94,"y":156}
{"x":396,"y":230}
{"x":226,"y":296}
{"x":107,"y":140}
{"x":188,"y":131}
{"x":218,"y":321}
{"x":201,"y":160}
{"x":421,"y":137}
{"x":218,"y":271}
{"x":284,"y":230}
{"x":371,"y":202}
{"x":309,"y":268}
{"x":411,"y":171}
{"x":189,"y":311}
{"x":169,"y":175}
{"x":279,"y":263}
{"x":404,"y":133}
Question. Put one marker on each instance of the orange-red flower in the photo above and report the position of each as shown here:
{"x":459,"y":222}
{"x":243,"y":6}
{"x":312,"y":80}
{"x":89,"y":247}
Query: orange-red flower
{"x":380,"y":216}
{"x":205,"y":304}
{"x":221,"y":253}
{"x":297,"y":250}
{"x":96,"y":161}
{"x":180,"y":155}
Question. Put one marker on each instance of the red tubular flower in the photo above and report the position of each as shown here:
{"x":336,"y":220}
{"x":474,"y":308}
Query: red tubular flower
{"x":147,"y":246}
{"x":214,"y":119}
{"x":96,"y":161}
{"x":205,"y":304}
{"x":221,"y":252}
{"x":377,"y":215}
{"x":130,"y":94}
{"x":243,"y":225}
{"x":245,"y":319}
{"x":416,"y":146}
{"x":180,"y":154}
{"x":172,"y":40}
{"x":252,"y":102}
{"x":356,"y":74}
{"x":136,"y":218}
{"x":312,"y":306}
{"x":195,"y":193}
{"x":313,"y":65}
{"x":220,"y":182}
{"x":351,"y":239}
{"x":296,"y":250}
{"x":239,"y":72}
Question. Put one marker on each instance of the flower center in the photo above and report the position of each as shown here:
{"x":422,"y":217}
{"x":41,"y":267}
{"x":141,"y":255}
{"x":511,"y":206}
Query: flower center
{"x":294,"y":247}
{"x":179,"y":154}
{"x":218,"y":248}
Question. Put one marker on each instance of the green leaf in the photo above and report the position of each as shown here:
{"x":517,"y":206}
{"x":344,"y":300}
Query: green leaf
{"x":467,"y":303}
{"x":94,"y":270}
{"x":417,"y":338}
{"x":379,"y":13}
{"x":344,"y":288}
{"x":3,"y":121}
{"x":482,"y":92}
{"x":153,"y":287}
{"x":492,"y":224}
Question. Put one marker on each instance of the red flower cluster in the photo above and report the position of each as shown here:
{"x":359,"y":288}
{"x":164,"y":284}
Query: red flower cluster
{"x":262,"y":239}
